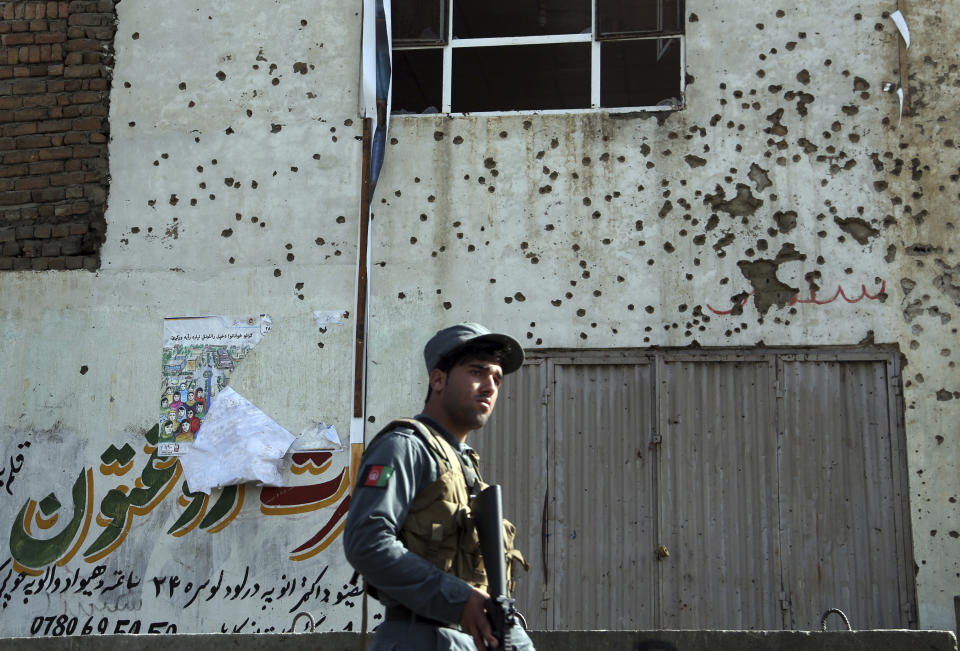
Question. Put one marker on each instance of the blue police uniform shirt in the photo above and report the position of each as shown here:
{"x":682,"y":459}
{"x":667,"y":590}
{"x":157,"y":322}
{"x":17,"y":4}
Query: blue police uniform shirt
{"x":372,"y":545}
{"x":371,"y":537}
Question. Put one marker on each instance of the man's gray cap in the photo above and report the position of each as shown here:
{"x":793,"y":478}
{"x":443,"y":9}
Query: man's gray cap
{"x":449,"y":339}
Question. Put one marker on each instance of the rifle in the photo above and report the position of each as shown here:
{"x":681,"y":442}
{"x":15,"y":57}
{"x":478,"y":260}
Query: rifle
{"x":488,"y":514}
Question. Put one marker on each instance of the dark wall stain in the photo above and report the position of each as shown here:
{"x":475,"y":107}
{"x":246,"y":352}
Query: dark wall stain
{"x":762,"y":274}
{"x":770,"y":290}
{"x":742,"y":205}
{"x":760,"y":177}
{"x":786,"y":221}
{"x":948,"y":281}
{"x":857,"y":228}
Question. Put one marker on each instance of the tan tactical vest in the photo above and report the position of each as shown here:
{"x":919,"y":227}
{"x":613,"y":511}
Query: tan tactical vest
{"x":439,"y":526}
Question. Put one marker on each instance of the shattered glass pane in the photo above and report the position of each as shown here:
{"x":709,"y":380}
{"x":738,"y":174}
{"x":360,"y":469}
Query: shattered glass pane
{"x":640,"y":73}
{"x":634,"y":17}
{"x":415,"y":22}
{"x":498,"y":18}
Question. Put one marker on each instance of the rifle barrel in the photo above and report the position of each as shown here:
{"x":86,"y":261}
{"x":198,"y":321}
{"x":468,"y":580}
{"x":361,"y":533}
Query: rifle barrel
{"x":488,"y":514}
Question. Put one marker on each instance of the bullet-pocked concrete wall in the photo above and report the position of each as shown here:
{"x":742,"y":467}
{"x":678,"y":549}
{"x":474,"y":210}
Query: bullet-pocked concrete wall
{"x":235,"y":176}
{"x":786,"y":205}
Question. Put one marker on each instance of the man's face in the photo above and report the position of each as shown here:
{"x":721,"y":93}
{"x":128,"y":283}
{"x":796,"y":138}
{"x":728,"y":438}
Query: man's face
{"x":470,"y":392}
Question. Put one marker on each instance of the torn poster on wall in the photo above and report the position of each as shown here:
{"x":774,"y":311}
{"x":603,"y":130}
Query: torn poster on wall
{"x":238,"y":443}
{"x":199,"y":353}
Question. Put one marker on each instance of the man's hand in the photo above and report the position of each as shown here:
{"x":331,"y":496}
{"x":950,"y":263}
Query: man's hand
{"x":474,"y":622}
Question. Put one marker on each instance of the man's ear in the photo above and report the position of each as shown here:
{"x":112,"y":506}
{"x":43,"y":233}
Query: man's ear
{"x":438,"y":379}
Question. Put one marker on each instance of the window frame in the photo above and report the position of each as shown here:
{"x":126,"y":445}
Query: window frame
{"x":448,"y":44}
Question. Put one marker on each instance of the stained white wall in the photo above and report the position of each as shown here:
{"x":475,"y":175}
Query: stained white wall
{"x":82,"y":351}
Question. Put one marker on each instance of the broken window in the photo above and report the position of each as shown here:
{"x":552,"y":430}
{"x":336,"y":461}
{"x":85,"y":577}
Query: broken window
{"x":457,"y":56}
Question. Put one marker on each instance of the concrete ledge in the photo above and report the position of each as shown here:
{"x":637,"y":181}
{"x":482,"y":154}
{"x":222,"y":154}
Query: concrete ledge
{"x":545,"y":641}
{"x":887,"y":640}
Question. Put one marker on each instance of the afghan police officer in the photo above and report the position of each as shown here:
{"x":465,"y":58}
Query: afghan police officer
{"x":409,"y":530}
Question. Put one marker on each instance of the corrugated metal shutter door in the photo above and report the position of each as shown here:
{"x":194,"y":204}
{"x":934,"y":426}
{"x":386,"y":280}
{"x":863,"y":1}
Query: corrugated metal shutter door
{"x":717,"y":494}
{"x":602,"y":528}
{"x":842,"y":496}
{"x":776,"y":482}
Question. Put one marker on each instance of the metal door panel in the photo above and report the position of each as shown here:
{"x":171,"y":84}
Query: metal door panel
{"x":601,"y":506}
{"x":718,"y":500}
{"x":842,"y":547}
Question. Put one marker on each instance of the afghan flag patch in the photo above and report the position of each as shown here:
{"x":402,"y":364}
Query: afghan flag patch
{"x":377,"y":476}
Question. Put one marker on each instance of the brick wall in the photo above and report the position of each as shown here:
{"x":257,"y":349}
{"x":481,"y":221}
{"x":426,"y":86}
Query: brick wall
{"x":55,"y":66}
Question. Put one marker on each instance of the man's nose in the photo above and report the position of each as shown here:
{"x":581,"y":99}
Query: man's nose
{"x":488,"y":386}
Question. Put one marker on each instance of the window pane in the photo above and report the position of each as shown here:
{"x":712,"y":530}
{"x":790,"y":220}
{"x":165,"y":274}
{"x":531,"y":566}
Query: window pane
{"x":522,"y":77}
{"x":640,"y":73}
{"x":418,"y":21}
{"x":493,"y":18}
{"x":622,"y":17}
{"x":417,"y":81}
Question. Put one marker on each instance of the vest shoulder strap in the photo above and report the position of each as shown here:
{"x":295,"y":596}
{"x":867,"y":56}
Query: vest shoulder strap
{"x":442,"y":452}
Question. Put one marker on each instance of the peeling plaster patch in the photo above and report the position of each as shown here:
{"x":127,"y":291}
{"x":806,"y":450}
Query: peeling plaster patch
{"x":943,"y":395}
{"x":913,"y":310}
{"x":777,"y":129}
{"x":949,"y":281}
{"x":759,"y":176}
{"x":722,"y":243}
{"x":743,"y":205}
{"x":786,"y":221}
{"x":762,"y":274}
{"x":695,"y":161}
{"x":808,"y":147}
{"x":921,"y":250}
{"x":857,"y":228}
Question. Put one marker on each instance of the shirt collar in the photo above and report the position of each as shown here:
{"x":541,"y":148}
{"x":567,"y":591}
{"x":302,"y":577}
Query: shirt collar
{"x":451,"y":439}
